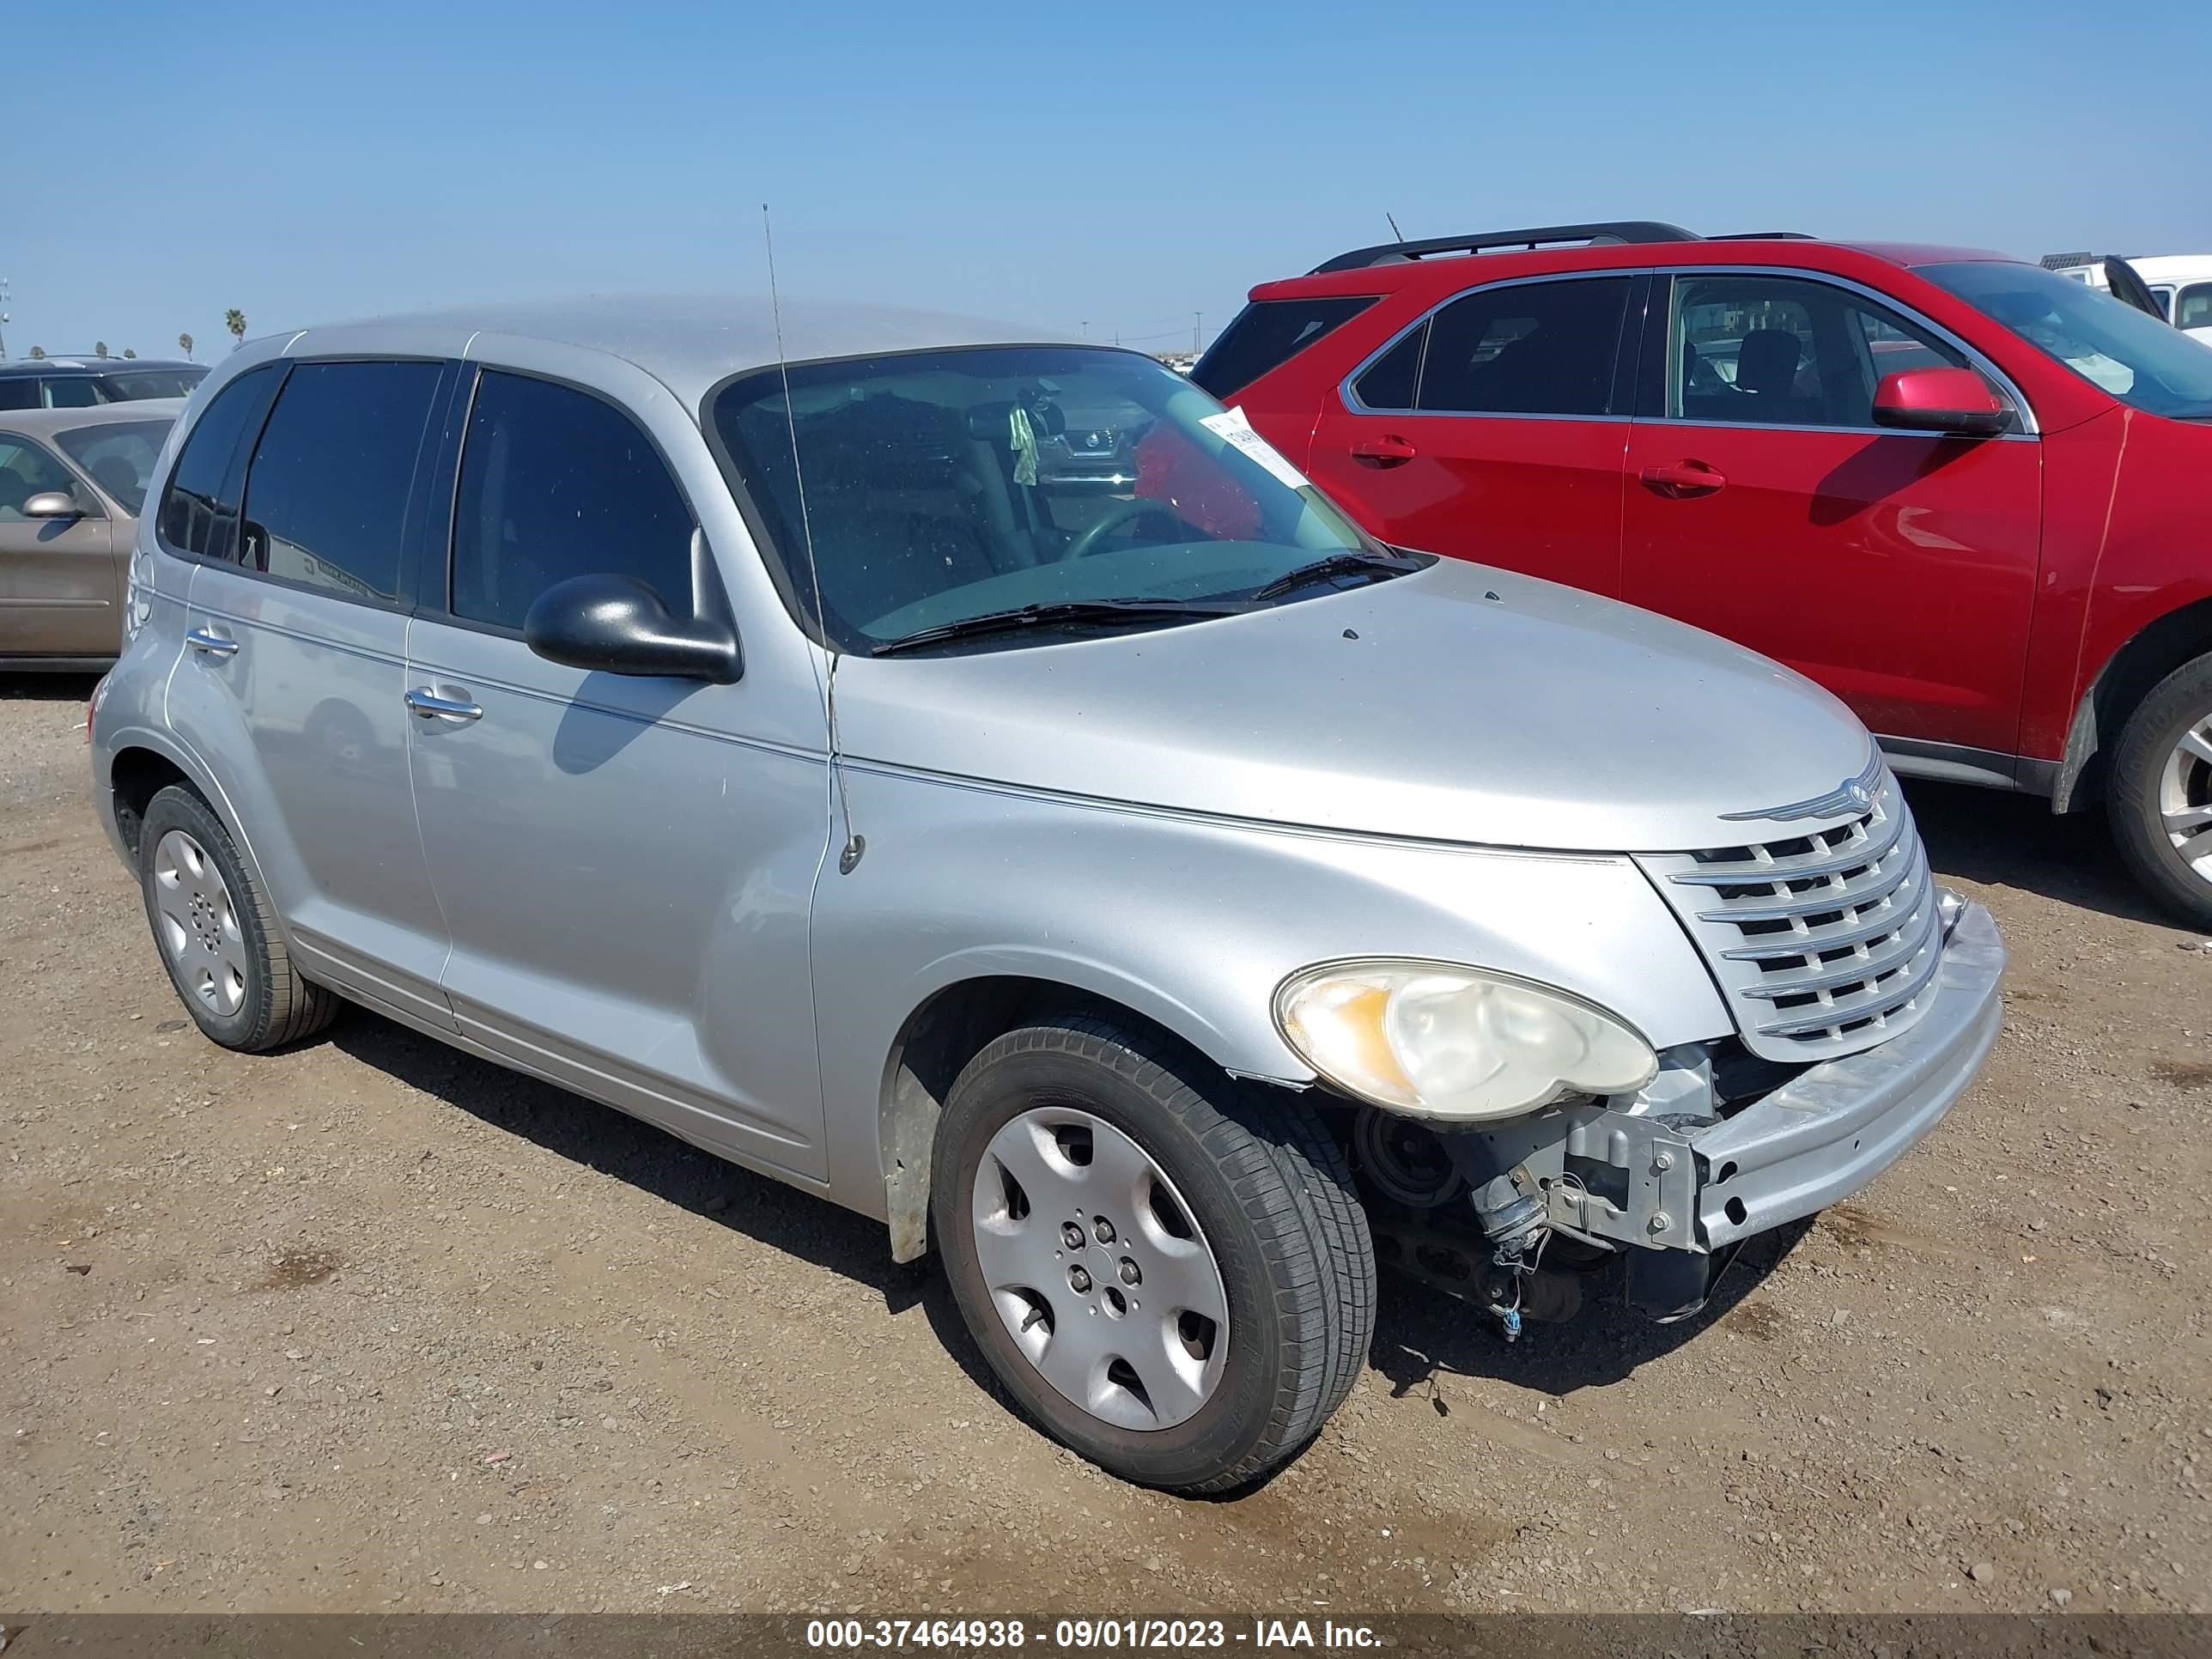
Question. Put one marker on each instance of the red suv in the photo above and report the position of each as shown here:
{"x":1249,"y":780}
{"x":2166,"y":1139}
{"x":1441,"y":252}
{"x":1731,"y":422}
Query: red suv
{"x":1965,"y":495}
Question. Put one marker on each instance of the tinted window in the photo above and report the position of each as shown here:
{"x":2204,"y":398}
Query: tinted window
{"x":1785,"y":351}
{"x":27,"y":470}
{"x":18,"y":391}
{"x":74,"y":392}
{"x":1528,"y":349}
{"x":199,"y":511}
{"x":326,"y":493}
{"x":554,"y":483}
{"x":2192,"y":308}
{"x":1266,"y":335}
{"x":1390,"y":381}
{"x":120,"y":456}
{"x":135,"y":384}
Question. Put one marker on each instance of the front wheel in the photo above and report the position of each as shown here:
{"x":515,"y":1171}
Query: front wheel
{"x":2161,"y":800}
{"x":1170,"y":1274}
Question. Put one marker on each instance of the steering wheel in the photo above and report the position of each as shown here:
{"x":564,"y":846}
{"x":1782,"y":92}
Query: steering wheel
{"x":1113,"y":519}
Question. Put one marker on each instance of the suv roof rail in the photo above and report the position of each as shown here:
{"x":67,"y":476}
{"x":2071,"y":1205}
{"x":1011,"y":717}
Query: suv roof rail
{"x":1605,"y":231}
{"x":2067,"y":261}
{"x":1765,"y":236}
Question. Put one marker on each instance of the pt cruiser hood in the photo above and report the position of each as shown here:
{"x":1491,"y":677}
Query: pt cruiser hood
{"x":1459,"y":704}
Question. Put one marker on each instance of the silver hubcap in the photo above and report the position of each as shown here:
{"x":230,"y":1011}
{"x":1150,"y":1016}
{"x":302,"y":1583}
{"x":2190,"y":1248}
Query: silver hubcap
{"x":2184,"y":798}
{"x":198,"y":925}
{"x":1099,"y":1269}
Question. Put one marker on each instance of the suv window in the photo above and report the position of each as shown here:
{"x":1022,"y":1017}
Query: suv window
{"x":2192,"y":306}
{"x":1526,"y":349}
{"x":18,"y":391}
{"x":1392,"y":379}
{"x":556,"y":483}
{"x":1268,"y":333}
{"x":71,"y":392}
{"x":199,"y":507}
{"x":1786,"y":351}
{"x":27,"y":470}
{"x":326,"y":492}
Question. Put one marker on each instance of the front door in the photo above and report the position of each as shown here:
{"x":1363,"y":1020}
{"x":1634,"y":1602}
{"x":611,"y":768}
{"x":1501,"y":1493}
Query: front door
{"x":292,"y":680}
{"x":1493,"y":430}
{"x":626,"y":871}
{"x":59,"y":594}
{"x":1896,"y":568}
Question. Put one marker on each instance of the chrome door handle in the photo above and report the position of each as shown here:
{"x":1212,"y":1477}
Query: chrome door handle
{"x":430,"y":705}
{"x":214,"y":645}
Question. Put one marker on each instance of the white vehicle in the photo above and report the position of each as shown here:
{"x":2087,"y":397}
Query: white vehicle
{"x":2180,"y":283}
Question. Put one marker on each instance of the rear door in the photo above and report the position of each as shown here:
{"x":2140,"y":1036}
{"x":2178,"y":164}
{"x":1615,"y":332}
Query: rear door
{"x":1897,"y":568}
{"x":292,"y":683}
{"x":1493,"y":429}
{"x":59,"y":596}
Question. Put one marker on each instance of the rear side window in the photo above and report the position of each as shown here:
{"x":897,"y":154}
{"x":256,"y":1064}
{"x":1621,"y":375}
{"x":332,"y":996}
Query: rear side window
{"x":2192,"y":308}
{"x":1267,"y":334}
{"x":326,"y":495}
{"x":554,"y":483}
{"x":1392,"y":379}
{"x":1527,"y":348}
{"x":199,"y":509}
{"x":18,"y":391}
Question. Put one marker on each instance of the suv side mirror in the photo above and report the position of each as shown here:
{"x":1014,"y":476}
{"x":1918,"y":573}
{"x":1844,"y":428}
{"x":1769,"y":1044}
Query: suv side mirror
{"x":1954,"y":400}
{"x":618,"y":625}
{"x":52,"y":504}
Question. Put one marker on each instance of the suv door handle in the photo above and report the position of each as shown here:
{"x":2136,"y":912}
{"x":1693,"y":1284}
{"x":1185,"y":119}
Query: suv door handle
{"x":1684,"y":478}
{"x":211,"y":643}
{"x":432,"y":706}
{"x":1389,"y":450}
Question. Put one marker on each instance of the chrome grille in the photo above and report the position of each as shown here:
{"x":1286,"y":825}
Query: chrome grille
{"x":1825,"y":942}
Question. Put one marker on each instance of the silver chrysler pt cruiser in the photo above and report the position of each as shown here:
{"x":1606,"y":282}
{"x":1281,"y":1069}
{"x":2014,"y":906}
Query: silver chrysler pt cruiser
{"x":1129,"y":879}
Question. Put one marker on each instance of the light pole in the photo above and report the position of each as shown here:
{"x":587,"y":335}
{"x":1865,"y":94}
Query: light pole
{"x":4,"y":319}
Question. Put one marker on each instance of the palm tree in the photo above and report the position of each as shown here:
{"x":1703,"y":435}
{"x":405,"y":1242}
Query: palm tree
{"x":99,"y":347}
{"x":184,"y":342}
{"x":38,"y":353}
{"x":128,"y":352}
{"x":235,"y":320}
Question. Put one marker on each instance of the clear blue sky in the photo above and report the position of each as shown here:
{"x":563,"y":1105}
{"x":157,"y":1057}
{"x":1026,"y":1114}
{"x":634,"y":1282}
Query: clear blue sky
{"x":1123,"y":164}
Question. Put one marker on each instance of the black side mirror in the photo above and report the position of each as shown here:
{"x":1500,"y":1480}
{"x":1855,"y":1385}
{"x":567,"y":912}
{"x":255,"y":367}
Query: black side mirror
{"x":618,"y":625}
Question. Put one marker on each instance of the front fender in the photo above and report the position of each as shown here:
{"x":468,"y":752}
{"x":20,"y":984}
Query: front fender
{"x":1192,"y":923}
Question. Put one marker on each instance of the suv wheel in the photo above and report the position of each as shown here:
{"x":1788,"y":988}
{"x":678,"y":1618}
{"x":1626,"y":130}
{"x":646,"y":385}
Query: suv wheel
{"x":2161,"y":800}
{"x":217,"y":931}
{"x":1169,"y":1276}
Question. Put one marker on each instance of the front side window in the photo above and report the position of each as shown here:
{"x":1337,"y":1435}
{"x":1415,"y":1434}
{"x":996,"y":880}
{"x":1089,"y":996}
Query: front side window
{"x":1268,"y":333}
{"x":71,"y":392}
{"x":2134,"y":356}
{"x":556,"y":483}
{"x":2192,"y":306}
{"x":1786,"y":351}
{"x":25,"y":470}
{"x":120,"y":456}
{"x":1526,"y":349}
{"x":326,"y":492}
{"x":933,"y":495}
{"x":199,"y":509}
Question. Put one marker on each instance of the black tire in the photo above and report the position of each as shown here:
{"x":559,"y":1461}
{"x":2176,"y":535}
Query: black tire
{"x":1266,"y":1185}
{"x":278,"y":1004}
{"x":2180,"y":701}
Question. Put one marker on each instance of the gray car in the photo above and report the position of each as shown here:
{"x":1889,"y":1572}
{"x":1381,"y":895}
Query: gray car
{"x":1160,"y":901}
{"x":71,"y":485}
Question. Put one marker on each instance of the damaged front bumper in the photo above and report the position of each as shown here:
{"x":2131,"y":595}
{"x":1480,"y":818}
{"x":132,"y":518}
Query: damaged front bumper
{"x":1681,"y":1194}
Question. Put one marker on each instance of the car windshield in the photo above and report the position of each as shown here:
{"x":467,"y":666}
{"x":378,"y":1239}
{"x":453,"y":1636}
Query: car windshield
{"x":135,"y":384}
{"x":945,"y":486}
{"x":2135,"y":356}
{"x":120,"y":456}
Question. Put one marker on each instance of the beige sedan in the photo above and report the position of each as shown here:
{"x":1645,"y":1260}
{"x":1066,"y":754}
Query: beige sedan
{"x":72,"y":482}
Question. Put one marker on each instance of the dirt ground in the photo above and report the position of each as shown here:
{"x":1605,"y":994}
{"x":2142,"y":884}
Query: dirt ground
{"x":370,"y":1325}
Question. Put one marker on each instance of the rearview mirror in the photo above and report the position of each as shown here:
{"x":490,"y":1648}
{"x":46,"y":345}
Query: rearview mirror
{"x":1955,"y":400}
{"x":618,"y":625}
{"x":52,"y":504}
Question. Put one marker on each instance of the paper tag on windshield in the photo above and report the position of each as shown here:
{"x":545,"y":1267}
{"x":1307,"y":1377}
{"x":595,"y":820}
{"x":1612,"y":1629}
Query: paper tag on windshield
{"x":1231,"y":426}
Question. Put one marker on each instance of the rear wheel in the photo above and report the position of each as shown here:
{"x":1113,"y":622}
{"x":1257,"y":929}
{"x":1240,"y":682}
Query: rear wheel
{"x":2161,"y":800}
{"x":217,"y":932}
{"x":1169,"y":1273}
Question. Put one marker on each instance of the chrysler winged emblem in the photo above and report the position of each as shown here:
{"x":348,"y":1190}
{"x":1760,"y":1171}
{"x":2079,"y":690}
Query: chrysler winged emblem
{"x":1848,"y":798}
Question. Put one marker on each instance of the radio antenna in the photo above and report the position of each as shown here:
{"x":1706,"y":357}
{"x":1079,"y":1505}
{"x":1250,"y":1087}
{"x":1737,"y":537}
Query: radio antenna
{"x":854,"y":845}
{"x":1392,"y":218}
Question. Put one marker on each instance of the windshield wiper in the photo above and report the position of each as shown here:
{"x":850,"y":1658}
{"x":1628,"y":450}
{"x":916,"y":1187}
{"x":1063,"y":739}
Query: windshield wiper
{"x":1056,"y":615}
{"x":1379,"y":566}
